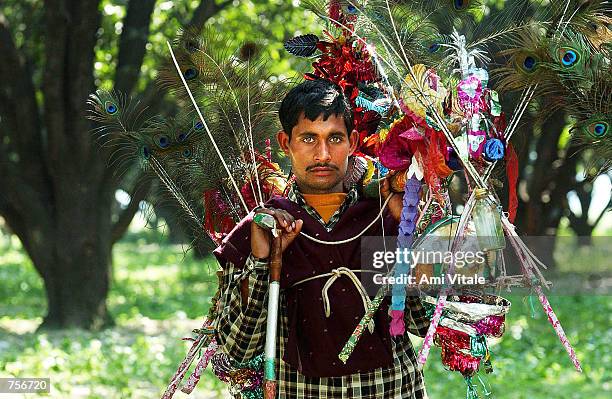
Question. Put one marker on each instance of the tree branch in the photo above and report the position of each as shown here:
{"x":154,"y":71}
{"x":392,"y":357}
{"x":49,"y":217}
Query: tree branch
{"x":85,"y":19}
{"x":132,"y":44}
{"x":18,"y":105}
{"x":603,"y":212}
{"x":13,"y":219}
{"x":122,"y":224}
{"x":24,"y":208}
{"x":23,"y":175}
{"x":205,"y":10}
{"x":538,"y":219}
{"x":57,"y":21}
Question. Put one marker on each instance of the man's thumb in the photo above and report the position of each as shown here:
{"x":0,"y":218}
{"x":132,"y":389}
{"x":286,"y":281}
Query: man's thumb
{"x":294,"y":233}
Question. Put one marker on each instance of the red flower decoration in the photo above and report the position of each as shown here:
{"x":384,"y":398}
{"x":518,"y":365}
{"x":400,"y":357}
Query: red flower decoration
{"x":366,"y":124}
{"x":401,"y":143}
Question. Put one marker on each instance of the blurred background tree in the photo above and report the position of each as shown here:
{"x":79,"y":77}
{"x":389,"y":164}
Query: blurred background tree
{"x":68,"y":206}
{"x":58,"y":192}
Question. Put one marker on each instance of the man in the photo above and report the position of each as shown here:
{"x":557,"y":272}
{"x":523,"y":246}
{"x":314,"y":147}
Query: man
{"x":321,"y":301}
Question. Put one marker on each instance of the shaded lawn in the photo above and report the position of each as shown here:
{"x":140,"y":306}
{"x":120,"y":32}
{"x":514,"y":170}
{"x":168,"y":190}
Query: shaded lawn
{"x":158,"y":295}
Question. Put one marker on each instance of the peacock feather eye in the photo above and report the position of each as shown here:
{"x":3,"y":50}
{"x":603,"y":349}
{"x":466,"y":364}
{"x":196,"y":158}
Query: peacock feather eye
{"x":110,"y":107}
{"x":145,"y":152}
{"x":198,"y":125}
{"x":191,"y":46}
{"x":186,"y":153}
{"x":598,"y":129}
{"x":434,"y":48}
{"x":351,"y":9}
{"x":529,"y":63}
{"x":162,"y":141}
{"x":181,"y":137}
{"x":461,"y":4}
{"x":569,"y":57}
{"x":190,"y":73}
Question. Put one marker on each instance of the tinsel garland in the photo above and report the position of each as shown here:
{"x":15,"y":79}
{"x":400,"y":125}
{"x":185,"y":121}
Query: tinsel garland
{"x":244,"y":378}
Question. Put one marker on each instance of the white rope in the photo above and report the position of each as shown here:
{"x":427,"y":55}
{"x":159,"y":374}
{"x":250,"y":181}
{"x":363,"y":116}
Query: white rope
{"x":333,"y":276}
{"x":355,"y":237}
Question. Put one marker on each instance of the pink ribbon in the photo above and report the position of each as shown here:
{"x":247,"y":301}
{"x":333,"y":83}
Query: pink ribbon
{"x":397,"y":326}
{"x":184,"y":366}
{"x":552,"y":318}
{"x":194,"y":378}
{"x":527,"y":263}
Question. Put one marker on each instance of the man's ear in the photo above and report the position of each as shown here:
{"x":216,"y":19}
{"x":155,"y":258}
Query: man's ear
{"x":354,"y":140}
{"x":283,"y":141}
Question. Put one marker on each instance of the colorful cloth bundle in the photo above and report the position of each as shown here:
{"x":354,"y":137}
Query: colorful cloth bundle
{"x":245,"y":379}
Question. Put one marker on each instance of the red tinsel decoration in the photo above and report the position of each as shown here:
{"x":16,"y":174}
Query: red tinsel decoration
{"x":454,"y":344}
{"x":217,"y":220}
{"x":448,"y":337}
{"x":500,"y":124}
{"x":334,"y":10}
{"x":491,"y":326}
{"x":366,"y":124}
{"x":458,"y":361}
{"x":346,"y":63}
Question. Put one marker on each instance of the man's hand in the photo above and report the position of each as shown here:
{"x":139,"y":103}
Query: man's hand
{"x":260,"y":237}
{"x":395,"y":203}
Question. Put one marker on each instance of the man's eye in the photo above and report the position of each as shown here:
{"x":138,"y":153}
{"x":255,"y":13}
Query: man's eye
{"x":308,"y":139}
{"x":336,"y":139}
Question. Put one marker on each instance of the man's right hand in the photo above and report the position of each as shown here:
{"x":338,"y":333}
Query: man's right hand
{"x":287,"y":225}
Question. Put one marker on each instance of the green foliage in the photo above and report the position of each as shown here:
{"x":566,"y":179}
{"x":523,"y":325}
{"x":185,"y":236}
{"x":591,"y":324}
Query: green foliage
{"x":158,"y":295}
{"x":267,"y":22}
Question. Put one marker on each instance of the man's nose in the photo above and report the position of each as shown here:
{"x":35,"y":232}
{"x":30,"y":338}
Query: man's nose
{"x":322,"y":153}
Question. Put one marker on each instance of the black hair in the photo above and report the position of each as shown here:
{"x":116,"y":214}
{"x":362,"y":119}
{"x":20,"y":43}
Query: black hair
{"x":314,"y":98}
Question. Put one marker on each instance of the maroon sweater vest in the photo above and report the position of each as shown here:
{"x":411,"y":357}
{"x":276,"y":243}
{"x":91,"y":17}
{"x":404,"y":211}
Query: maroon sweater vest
{"x":314,"y":340}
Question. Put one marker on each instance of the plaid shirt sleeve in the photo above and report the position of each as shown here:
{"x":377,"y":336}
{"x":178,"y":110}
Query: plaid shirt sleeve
{"x":241,"y":327}
{"x":415,"y":318}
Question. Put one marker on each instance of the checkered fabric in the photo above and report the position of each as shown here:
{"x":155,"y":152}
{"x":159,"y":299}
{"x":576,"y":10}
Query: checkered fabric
{"x":241,"y":331}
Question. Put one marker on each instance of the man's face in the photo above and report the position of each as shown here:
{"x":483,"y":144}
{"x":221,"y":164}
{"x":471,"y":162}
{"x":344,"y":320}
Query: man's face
{"x":319,"y":152}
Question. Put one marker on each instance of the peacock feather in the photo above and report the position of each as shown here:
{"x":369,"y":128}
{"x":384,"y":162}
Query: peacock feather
{"x":527,"y":57}
{"x":591,"y":109}
{"x":201,"y":161}
{"x":591,"y":18}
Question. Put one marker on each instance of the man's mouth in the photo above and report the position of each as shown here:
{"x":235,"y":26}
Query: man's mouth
{"x":321,"y":170}
{"x":321,"y":166}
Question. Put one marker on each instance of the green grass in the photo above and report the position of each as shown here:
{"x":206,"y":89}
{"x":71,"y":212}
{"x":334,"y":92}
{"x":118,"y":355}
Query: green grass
{"x":159,"y":294}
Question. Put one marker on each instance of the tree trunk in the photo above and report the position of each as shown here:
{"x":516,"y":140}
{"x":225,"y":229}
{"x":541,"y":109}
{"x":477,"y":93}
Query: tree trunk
{"x":77,"y":298}
{"x":72,"y":254}
{"x":56,"y":186}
